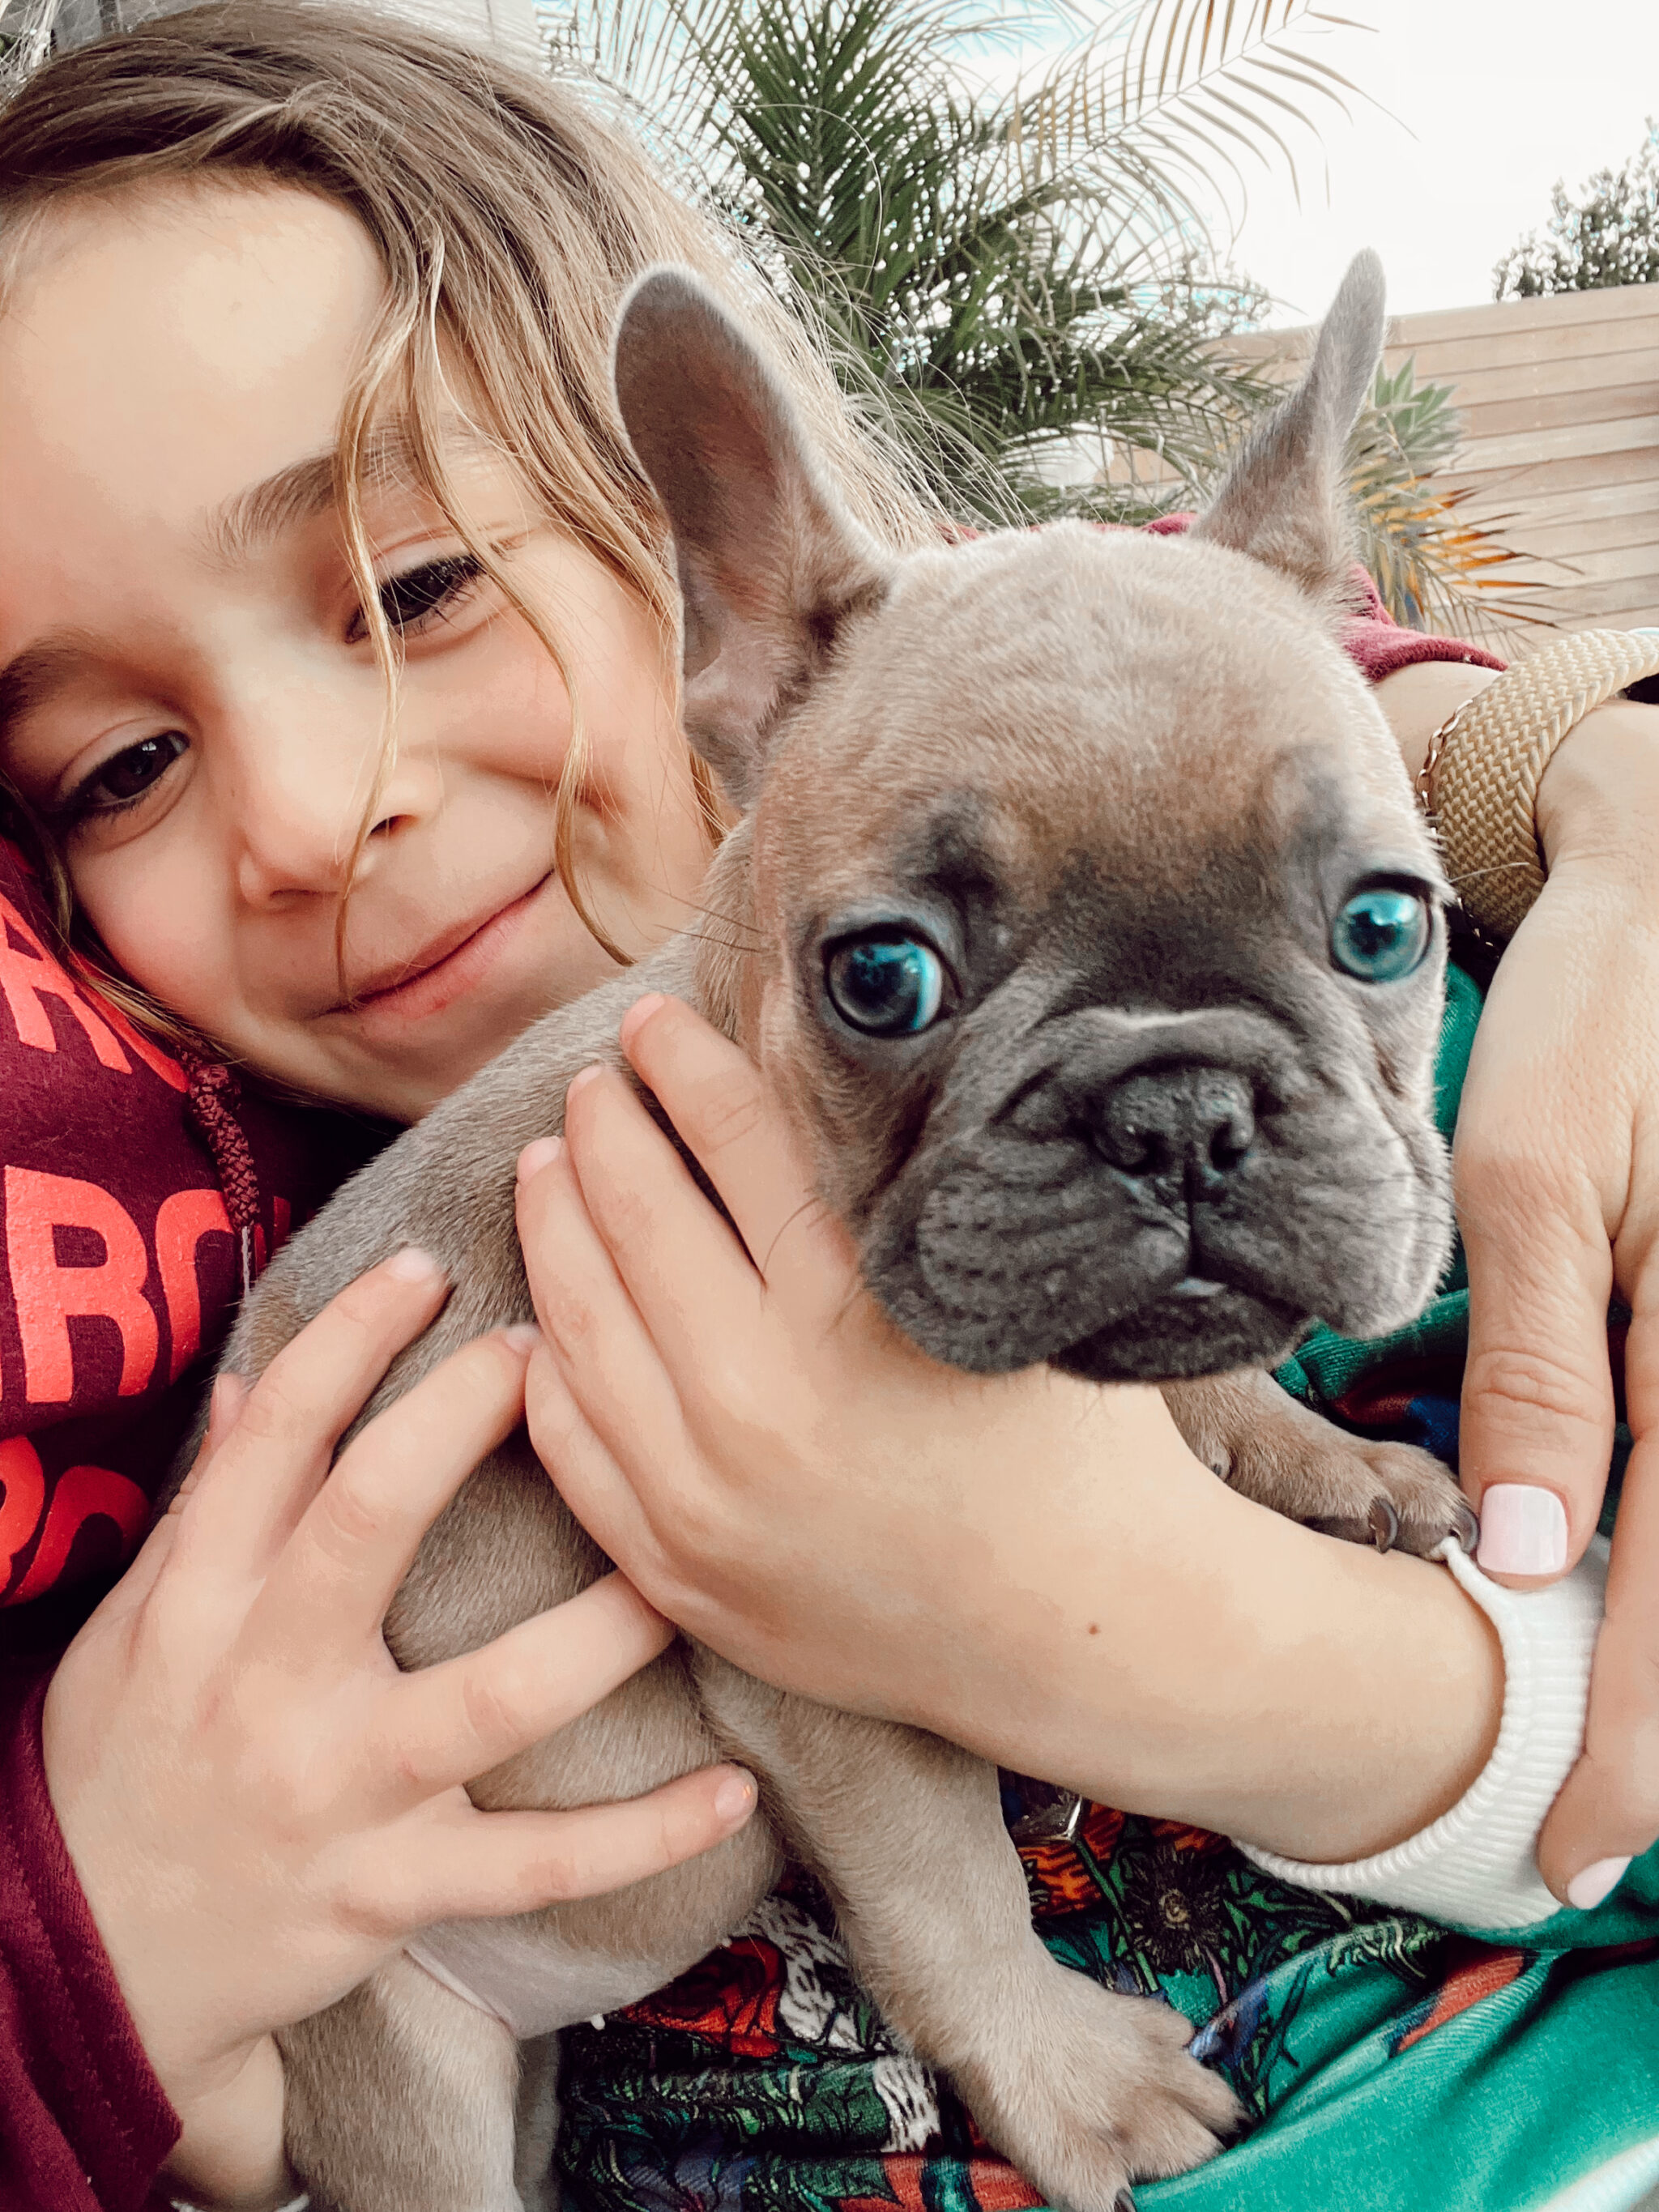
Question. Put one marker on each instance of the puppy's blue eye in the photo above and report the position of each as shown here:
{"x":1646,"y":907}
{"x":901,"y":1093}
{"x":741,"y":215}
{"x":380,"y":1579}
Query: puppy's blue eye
{"x":1381,"y":935}
{"x":886,"y":985}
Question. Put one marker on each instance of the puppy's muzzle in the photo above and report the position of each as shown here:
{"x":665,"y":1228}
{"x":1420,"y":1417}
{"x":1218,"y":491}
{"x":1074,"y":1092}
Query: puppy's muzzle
{"x":1151,"y":1195}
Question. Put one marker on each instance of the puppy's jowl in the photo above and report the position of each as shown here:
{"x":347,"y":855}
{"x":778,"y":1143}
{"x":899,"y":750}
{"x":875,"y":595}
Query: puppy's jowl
{"x":1096,"y":955}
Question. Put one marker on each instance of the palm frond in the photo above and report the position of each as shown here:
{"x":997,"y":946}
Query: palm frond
{"x":1436,"y":568}
{"x":1182,"y":85}
{"x":995,"y":306}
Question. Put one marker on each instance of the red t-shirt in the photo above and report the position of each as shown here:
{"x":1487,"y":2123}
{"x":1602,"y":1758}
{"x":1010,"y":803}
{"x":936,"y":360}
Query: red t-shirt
{"x":121,"y":1258}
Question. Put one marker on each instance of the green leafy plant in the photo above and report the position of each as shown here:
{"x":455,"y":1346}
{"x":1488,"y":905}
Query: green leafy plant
{"x":1011,"y":268}
{"x":1434,"y":566}
{"x":1609,"y":236}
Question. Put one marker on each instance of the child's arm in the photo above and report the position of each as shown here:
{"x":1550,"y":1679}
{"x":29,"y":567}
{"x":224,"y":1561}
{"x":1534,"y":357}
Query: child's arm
{"x":1036,"y":1568}
{"x":260,"y":1806}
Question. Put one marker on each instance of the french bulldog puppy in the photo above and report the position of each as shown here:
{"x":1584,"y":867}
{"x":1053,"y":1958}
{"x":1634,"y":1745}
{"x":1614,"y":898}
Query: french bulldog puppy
{"x":1080,"y":916}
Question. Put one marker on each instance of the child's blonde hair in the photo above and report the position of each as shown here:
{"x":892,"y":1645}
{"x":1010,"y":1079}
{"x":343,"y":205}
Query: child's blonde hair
{"x":510,"y":215}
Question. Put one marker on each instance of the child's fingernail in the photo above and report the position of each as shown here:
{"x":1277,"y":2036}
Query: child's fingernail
{"x":412,"y":1265}
{"x":1587,"y":1888}
{"x":582,"y":1079}
{"x":539,"y":1155}
{"x":734,"y":1800}
{"x":522,"y":1336}
{"x":638,"y":1014}
{"x":230,"y":1390}
{"x":1523,"y":1530}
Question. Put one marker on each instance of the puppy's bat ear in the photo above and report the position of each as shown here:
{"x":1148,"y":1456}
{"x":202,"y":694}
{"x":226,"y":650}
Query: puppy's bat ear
{"x":769,"y":566}
{"x":1283,"y":500}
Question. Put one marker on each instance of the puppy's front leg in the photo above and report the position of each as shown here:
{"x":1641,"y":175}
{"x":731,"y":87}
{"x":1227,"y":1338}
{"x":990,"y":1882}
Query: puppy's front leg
{"x":401,"y":2099}
{"x":1083,"y":2089}
{"x":1262,"y":1443}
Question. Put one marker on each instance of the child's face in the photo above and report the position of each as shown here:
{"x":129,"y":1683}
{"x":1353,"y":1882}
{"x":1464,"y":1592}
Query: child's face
{"x":188,"y":694}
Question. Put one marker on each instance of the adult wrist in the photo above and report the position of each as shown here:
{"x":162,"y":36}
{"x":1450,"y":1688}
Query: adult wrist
{"x":1477,"y":1865}
{"x":1390,"y":1699}
{"x":1484,"y":767}
{"x":1191,"y":1656}
{"x":1418,"y":700}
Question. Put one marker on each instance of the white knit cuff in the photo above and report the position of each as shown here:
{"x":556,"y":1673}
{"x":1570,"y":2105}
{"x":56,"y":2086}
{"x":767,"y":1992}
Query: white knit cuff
{"x":1476,"y":1865}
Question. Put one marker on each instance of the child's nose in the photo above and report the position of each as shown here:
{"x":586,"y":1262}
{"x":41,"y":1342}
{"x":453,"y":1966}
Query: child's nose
{"x":315,"y":806}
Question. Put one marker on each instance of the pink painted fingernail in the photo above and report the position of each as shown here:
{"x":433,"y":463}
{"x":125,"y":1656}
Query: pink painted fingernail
{"x":734,"y":1800}
{"x":412,"y":1265}
{"x":1589,"y":1887}
{"x":522,"y":1336}
{"x":582,"y":1079}
{"x":1523,"y":1530}
{"x":539,"y":1155}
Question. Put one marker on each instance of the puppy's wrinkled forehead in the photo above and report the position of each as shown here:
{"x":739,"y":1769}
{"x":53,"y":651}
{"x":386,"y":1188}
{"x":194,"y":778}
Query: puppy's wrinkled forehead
{"x":1072,"y":717}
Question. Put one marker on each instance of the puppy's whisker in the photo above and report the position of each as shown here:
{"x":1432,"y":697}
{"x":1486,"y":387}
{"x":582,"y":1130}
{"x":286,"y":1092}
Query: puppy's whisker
{"x":727,"y":921}
{"x":722,"y":943}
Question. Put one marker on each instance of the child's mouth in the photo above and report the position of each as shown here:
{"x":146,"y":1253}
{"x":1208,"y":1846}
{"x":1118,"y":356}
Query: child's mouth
{"x":427,"y":985}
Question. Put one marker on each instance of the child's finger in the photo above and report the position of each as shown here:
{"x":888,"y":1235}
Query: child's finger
{"x":330,"y":1586}
{"x":252,"y":1492}
{"x":701,"y":1301}
{"x":225,"y":1404}
{"x":625,"y":1367}
{"x":457,"y":1720}
{"x":582,"y":1302}
{"x":493,"y":1864}
{"x":714,"y":1096}
{"x":608,"y":1500}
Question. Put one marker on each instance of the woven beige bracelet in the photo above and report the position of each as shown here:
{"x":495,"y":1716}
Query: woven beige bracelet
{"x":1481,"y":776}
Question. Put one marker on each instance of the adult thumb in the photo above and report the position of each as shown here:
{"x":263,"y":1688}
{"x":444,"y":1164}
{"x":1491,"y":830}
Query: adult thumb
{"x":1537,"y":1422}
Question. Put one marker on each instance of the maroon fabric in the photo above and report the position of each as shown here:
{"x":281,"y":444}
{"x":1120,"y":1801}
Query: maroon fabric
{"x":1372,"y":636}
{"x":125,"y":1180}
{"x":83,"y":2123}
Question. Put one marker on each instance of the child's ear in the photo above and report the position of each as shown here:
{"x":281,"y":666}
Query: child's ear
{"x":1283,"y":499}
{"x":769,"y":566}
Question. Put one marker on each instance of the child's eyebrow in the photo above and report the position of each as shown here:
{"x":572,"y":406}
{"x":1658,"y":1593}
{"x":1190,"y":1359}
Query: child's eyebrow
{"x":250,"y":519}
{"x":41,"y":671}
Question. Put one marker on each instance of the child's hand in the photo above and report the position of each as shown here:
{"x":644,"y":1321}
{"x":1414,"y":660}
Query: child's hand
{"x":1035,"y":1567}
{"x":259,"y":1805}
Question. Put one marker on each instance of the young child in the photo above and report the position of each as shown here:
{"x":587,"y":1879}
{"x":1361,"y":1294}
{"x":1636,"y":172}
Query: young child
{"x":304,"y":327}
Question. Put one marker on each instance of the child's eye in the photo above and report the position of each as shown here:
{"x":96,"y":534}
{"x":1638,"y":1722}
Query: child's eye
{"x":125,"y":777}
{"x":408,"y":600}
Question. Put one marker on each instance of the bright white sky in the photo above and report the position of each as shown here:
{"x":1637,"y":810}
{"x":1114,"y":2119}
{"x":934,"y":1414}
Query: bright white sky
{"x":1487,"y":102}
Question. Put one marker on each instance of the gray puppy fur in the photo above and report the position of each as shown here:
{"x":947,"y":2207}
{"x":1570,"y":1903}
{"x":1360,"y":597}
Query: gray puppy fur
{"x":1117,"y":787}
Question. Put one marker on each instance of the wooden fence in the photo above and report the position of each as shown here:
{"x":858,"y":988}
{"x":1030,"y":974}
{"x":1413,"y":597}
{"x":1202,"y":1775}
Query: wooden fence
{"x":1560,"y":402}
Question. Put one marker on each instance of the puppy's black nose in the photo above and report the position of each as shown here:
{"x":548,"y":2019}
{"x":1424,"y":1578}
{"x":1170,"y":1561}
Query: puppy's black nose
{"x":1188,"y":1125}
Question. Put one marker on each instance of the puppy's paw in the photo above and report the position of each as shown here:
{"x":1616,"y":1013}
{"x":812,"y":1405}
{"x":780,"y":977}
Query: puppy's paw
{"x":1267,"y":1446}
{"x":1103,"y":2094}
{"x":1395,"y":1497}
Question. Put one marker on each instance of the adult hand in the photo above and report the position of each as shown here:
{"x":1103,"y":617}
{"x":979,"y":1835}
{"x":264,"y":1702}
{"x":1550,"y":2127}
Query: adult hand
{"x":1556,"y":1175}
{"x":261,"y":1806}
{"x":1032,"y":1566}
